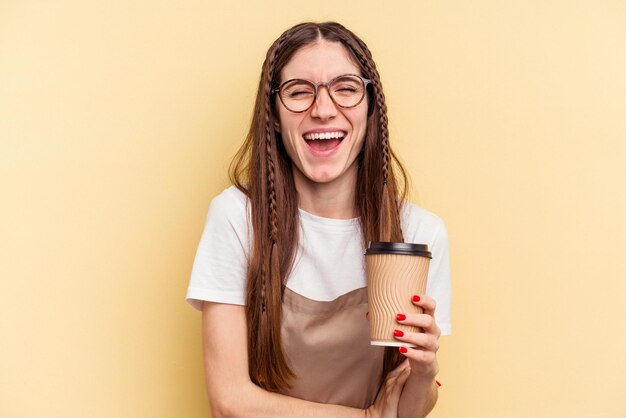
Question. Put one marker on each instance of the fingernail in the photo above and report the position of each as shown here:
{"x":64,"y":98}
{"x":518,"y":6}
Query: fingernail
{"x":403,"y":349}
{"x":398,"y":333}
{"x":437,"y":382}
{"x":416,"y":298}
{"x":401,"y":317}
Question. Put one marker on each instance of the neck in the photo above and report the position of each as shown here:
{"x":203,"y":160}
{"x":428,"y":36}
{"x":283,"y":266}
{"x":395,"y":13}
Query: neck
{"x":329,"y":200}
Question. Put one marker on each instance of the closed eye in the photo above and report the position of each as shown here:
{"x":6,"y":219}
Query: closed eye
{"x":300,"y":93}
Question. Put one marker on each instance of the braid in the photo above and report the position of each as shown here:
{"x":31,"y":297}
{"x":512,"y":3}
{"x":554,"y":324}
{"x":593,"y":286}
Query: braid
{"x":268,"y":366}
{"x":271,"y":171}
{"x":269,"y":141}
{"x":368,"y":62}
{"x":383,"y":126}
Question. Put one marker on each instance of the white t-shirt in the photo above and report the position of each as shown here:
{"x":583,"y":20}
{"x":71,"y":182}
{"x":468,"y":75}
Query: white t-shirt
{"x":329,"y":260}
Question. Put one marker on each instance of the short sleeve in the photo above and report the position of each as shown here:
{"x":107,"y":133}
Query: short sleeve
{"x":221,"y":262}
{"x":438,"y":286}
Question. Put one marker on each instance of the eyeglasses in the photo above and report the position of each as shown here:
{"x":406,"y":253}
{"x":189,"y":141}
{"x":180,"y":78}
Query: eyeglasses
{"x":346,"y":91}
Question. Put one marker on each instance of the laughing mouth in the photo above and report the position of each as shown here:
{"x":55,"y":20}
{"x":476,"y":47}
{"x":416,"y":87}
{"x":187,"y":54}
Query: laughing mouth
{"x":324,"y":135}
{"x":322,"y":144}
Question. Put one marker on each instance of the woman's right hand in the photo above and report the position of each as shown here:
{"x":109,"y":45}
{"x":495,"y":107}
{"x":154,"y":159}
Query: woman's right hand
{"x":386,"y":403}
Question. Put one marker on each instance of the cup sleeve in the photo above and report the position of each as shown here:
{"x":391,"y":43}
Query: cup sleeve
{"x":220,"y":265}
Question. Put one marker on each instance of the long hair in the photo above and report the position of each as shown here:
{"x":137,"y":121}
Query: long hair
{"x":262,"y":170}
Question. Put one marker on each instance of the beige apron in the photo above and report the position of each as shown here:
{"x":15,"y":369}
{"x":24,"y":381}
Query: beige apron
{"x":327,"y":346}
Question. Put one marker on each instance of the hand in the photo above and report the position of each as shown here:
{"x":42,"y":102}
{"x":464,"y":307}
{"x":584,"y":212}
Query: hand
{"x":423,"y":358}
{"x":386,"y":403}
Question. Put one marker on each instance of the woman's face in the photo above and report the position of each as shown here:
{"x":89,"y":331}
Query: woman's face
{"x":330,"y":160}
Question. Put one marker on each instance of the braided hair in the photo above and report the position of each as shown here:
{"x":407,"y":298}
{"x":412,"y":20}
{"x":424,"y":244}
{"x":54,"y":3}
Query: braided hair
{"x":262,"y":170}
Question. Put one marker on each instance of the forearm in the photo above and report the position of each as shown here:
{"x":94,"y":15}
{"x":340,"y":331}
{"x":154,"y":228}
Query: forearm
{"x":418,"y":397}
{"x":252,"y":401}
{"x":229,"y":388}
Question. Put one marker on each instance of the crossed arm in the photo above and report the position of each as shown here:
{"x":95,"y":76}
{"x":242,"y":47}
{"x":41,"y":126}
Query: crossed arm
{"x":409,"y":391}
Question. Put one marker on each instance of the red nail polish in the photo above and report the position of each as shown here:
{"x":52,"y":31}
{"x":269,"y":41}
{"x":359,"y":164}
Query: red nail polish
{"x":403,"y":349}
{"x":401,"y":317}
{"x":398,"y":333}
{"x":437,"y":382}
{"x":416,"y":298}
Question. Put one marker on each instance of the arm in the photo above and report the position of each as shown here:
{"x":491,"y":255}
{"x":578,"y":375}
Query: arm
{"x":420,"y":393}
{"x":418,"y":397}
{"x":232,"y":393}
{"x":421,"y":390}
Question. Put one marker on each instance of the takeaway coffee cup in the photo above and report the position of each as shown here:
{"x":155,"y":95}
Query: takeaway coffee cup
{"x":395,"y":272}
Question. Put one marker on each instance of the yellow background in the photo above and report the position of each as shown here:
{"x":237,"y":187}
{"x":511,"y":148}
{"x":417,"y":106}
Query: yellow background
{"x":117,"y":123}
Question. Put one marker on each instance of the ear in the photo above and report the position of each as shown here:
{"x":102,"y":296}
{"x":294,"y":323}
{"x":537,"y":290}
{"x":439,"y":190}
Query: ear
{"x":277,"y":126}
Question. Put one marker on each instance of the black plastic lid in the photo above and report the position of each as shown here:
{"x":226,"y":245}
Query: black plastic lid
{"x":398,"y":248}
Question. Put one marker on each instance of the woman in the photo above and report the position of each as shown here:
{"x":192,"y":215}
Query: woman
{"x":279,"y":274}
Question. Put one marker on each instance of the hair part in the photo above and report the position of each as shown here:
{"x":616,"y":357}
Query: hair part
{"x":262,"y":170}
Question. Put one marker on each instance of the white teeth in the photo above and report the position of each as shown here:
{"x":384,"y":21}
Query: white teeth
{"x":324,"y":135}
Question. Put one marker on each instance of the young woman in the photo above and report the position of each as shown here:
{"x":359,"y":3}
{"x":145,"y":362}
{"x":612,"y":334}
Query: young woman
{"x":279,"y":273}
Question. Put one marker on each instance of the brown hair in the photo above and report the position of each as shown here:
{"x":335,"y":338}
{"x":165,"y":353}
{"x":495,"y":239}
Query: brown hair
{"x":262,"y":170}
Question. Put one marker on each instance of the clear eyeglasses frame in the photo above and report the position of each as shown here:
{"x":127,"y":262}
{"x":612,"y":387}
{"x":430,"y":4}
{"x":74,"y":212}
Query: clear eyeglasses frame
{"x":299,"y":95}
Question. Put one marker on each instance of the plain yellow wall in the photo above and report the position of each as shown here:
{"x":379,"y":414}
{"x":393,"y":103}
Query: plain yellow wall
{"x":117,"y":123}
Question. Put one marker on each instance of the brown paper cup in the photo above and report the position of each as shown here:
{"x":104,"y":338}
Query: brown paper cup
{"x":395,"y":272}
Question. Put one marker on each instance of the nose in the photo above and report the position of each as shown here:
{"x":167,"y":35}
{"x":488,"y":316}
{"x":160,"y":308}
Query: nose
{"x":324,"y":108}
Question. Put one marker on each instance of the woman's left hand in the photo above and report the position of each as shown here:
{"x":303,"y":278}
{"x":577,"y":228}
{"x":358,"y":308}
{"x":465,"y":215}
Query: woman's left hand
{"x":423,"y":358}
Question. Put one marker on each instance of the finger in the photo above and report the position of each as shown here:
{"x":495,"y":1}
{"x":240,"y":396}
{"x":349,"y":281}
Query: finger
{"x":392,"y":377}
{"x":398,"y":370}
{"x":423,"y":321}
{"x":404,"y":376}
{"x":399,"y":384}
{"x":390,"y":382}
{"x":427,"y":303}
{"x":420,"y":339}
{"x":394,"y":390}
{"x":418,"y":355}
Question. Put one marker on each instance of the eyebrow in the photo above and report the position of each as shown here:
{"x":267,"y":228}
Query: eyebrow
{"x":325,"y":81}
